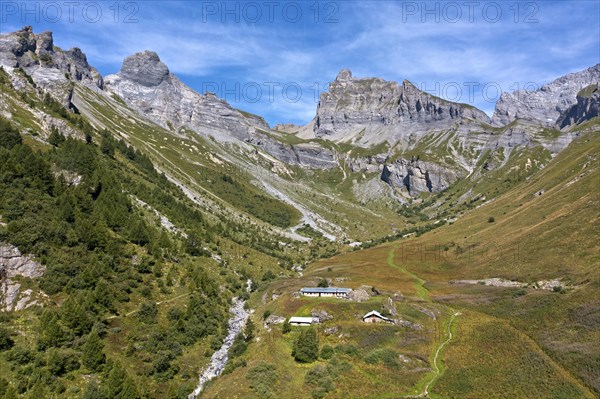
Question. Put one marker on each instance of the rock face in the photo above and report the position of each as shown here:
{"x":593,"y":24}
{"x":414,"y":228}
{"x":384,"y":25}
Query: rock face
{"x":14,"y":265}
{"x":546,"y":104}
{"x":586,"y":108}
{"x":415,"y":177}
{"x":370,"y":111}
{"x":50,"y":67}
{"x":145,"y":83}
{"x":144,"y":68}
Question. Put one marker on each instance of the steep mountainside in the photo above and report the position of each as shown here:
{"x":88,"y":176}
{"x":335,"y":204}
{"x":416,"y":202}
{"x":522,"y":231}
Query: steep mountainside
{"x":133,"y":211}
{"x":545,"y":105}
{"x":370,"y":111}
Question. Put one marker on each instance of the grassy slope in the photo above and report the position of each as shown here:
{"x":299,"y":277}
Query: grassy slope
{"x":507,"y":343}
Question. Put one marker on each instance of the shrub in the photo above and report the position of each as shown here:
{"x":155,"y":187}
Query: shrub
{"x":386,"y":356}
{"x":326,"y":352}
{"x":261,"y":378}
{"x":320,"y":378}
{"x":491,"y":219}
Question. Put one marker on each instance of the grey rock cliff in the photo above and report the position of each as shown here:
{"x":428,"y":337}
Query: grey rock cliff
{"x":51,"y":68}
{"x":413,"y":177}
{"x":14,"y":264}
{"x":586,"y":108}
{"x":368,"y":111}
{"x":546,"y":104}
{"x":145,"y":83}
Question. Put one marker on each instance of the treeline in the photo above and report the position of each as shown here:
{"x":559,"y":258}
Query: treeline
{"x":72,"y":207}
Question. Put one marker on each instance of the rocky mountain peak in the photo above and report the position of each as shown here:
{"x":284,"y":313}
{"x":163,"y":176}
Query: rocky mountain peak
{"x":548,"y":103}
{"x":144,"y":68}
{"x":44,"y":43}
{"x":50,"y":67}
{"x":344,"y":75}
{"x":369,"y":111}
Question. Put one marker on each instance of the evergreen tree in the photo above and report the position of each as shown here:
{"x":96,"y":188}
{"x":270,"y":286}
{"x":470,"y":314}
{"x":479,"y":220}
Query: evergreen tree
{"x":93,"y":356}
{"x":50,"y":332}
{"x":92,"y":391}
{"x":249,"y":331}
{"x":56,"y":138}
{"x":6,"y":341}
{"x":119,"y":385}
{"x":37,"y":391}
{"x":9,"y":136}
{"x":306,"y":347}
{"x":106,"y":145}
{"x":287,"y":327}
{"x":138,"y":233}
{"x":74,"y":315}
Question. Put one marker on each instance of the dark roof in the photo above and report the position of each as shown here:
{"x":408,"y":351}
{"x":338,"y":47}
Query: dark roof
{"x":325,"y":290}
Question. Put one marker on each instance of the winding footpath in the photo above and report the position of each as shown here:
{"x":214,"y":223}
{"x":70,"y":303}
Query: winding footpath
{"x":435,"y":366}
{"x":436,"y":363}
{"x":219,"y":358}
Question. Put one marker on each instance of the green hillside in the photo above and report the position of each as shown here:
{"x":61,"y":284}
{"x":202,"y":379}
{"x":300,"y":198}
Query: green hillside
{"x":505,"y":342}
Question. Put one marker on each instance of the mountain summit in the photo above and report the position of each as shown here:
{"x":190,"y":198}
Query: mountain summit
{"x":370,"y":111}
{"x":144,"y":68}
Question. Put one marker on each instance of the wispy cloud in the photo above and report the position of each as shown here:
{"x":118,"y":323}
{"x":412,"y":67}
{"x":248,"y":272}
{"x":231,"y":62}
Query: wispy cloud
{"x":425,"y":42}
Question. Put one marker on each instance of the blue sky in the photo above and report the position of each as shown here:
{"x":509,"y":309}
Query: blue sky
{"x":272,"y":58}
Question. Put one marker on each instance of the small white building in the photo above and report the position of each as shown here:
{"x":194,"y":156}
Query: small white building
{"x":301,"y":321}
{"x":375,"y":317}
{"x":336,"y":292}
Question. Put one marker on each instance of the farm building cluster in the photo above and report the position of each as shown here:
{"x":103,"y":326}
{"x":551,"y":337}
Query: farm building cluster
{"x":335,"y":292}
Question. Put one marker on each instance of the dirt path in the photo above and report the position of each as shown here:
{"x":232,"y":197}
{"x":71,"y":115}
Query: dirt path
{"x":437,"y":367}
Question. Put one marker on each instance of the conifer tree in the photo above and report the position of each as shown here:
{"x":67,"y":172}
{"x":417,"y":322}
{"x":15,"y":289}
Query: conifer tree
{"x":93,"y":356}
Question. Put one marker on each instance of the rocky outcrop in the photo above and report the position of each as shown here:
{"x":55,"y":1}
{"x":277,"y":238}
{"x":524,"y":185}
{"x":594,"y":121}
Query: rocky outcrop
{"x":415,"y":177}
{"x":586,"y":108}
{"x":320,"y":315}
{"x":145,"y":83}
{"x":370,"y":111}
{"x":13,"y":266}
{"x":51,"y":68}
{"x":546,"y":104}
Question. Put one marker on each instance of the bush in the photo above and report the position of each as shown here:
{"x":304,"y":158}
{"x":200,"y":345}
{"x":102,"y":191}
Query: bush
{"x":326,"y":352}
{"x":491,"y":219}
{"x":261,"y":378}
{"x":386,"y":356}
{"x":320,"y":378}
